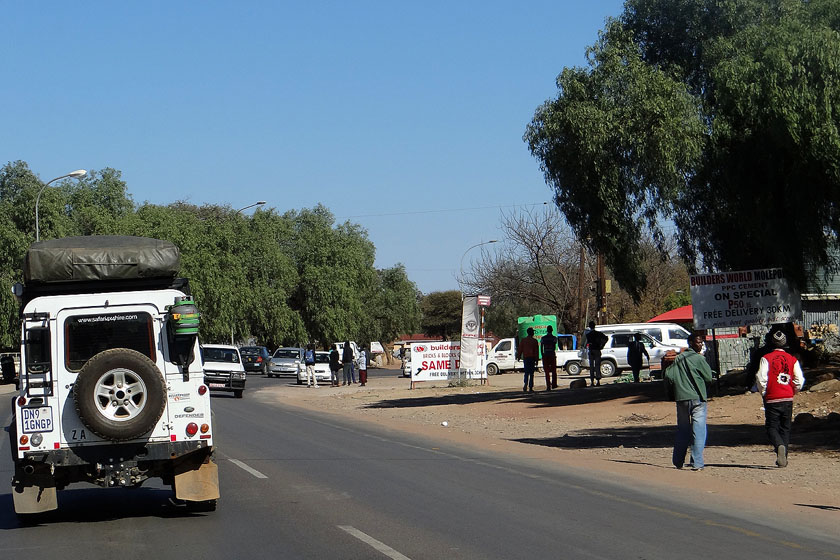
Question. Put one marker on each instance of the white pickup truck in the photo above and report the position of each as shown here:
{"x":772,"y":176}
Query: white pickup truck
{"x":503,"y":358}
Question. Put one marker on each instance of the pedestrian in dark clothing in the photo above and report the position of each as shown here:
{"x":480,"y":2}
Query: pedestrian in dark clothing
{"x":347,"y":360}
{"x":635,"y":350}
{"x":779,"y":378}
{"x":685,"y":382}
{"x":529,"y":352}
{"x":548,"y":348}
{"x":595,"y":341}
{"x":335,"y":365}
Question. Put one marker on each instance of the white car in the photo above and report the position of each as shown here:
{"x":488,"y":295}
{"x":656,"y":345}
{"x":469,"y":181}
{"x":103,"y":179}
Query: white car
{"x":223,"y":369}
{"x":614,"y":352}
{"x":286,"y":362}
{"x":322,"y":369}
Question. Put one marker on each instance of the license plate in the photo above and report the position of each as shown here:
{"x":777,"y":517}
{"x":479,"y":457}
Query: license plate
{"x":217,"y":385}
{"x":36,"y":419}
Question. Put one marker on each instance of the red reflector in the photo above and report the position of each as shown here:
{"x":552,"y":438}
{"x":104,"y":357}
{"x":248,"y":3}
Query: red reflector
{"x":56,"y":445}
{"x":172,"y":437}
{"x":206,"y":436}
{"x":23,"y":448}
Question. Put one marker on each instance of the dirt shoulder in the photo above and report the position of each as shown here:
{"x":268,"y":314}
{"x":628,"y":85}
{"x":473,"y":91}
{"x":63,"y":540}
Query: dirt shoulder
{"x":622,"y":429}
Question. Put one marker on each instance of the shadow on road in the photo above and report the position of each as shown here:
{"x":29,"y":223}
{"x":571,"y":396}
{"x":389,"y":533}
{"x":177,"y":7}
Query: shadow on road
{"x":74,"y":506}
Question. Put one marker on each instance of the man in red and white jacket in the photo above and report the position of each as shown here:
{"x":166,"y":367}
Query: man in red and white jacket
{"x":779,"y":377}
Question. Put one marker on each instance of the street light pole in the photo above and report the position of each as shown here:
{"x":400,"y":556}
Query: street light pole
{"x":258,"y":203}
{"x":470,"y":249}
{"x":78,"y":174}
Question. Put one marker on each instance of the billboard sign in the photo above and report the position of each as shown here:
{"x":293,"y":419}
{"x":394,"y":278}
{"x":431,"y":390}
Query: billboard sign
{"x":746,"y":297}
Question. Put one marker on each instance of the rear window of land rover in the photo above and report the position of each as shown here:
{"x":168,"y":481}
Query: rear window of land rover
{"x":87,"y":335}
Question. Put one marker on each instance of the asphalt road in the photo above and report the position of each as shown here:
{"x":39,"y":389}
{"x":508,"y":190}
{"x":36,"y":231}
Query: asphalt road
{"x":298,"y":485}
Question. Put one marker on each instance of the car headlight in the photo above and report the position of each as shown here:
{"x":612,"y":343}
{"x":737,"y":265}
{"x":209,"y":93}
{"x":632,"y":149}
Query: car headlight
{"x":238,"y":375}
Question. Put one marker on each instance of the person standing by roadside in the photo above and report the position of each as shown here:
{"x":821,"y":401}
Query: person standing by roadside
{"x":335,"y":365}
{"x":635,"y":350}
{"x":309,"y":362}
{"x":685,"y":382}
{"x":529,"y":352}
{"x":347,"y":360}
{"x":362,"y":366}
{"x":595,"y":341}
{"x":548,"y":347}
{"x":779,"y":378}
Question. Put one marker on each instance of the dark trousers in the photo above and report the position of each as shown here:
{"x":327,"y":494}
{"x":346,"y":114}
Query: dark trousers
{"x":777,"y":418}
{"x":528,"y":366}
{"x":550,"y":367}
{"x":594,"y":367}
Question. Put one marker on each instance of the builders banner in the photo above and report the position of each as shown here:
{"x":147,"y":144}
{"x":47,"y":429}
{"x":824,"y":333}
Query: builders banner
{"x":435,"y":361}
{"x":746,"y":297}
{"x":470,"y":323}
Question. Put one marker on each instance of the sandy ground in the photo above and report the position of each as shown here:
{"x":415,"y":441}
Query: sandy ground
{"x":620,"y":429}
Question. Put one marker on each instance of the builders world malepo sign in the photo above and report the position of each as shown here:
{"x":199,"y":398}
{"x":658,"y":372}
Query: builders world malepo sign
{"x":746,"y":297}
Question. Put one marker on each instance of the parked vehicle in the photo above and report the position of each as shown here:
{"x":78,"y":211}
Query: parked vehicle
{"x":503,"y":356}
{"x":340,"y":347}
{"x":614,"y":352}
{"x":256,"y":359}
{"x":111,"y":388}
{"x":322,"y":369}
{"x":223,"y":370}
{"x":286,"y":362}
{"x":670,"y":334}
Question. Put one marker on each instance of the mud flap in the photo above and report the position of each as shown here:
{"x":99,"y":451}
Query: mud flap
{"x":198,"y":485}
{"x":34,"y":499}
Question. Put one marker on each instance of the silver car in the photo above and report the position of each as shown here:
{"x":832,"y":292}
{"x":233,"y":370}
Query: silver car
{"x":286,"y":362}
{"x":614,"y":353}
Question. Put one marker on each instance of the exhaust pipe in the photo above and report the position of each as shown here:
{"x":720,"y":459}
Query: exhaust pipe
{"x":28,"y":469}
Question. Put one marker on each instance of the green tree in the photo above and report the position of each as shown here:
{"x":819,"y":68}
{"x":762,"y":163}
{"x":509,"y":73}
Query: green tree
{"x":718,"y":114}
{"x":442,"y":314}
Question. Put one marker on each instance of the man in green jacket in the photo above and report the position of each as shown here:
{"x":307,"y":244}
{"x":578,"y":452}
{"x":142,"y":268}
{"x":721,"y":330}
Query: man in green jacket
{"x":685,"y":382}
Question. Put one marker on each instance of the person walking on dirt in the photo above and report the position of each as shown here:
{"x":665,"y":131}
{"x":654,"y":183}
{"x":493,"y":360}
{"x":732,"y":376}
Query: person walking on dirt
{"x":635,"y":350}
{"x":595,"y":341}
{"x":309,"y":362}
{"x":685,"y":382}
{"x":548,"y":347}
{"x":347,"y":360}
{"x":779,"y":378}
{"x":362,"y":367}
{"x":335,"y":365}
{"x":529,"y":352}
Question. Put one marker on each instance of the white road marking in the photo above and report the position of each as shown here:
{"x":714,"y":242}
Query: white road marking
{"x":377,"y":545}
{"x":246,"y":468}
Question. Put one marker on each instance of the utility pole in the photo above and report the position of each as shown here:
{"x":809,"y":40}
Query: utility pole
{"x":602,"y":290}
{"x":581,"y":286}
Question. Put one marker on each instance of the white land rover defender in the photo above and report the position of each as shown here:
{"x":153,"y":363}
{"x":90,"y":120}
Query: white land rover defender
{"x":111,"y":384}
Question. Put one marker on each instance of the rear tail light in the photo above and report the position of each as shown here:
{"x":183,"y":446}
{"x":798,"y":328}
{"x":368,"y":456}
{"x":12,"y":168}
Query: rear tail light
{"x":202,"y":389}
{"x":259,"y":359}
{"x":192,"y":429}
{"x":21,"y":400}
{"x":205,"y":428}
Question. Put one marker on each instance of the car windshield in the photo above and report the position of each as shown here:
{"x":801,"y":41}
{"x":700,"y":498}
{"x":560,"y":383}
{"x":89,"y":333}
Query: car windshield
{"x":250,"y":350}
{"x":322,"y":357}
{"x":226,"y":355}
{"x":287,"y":353}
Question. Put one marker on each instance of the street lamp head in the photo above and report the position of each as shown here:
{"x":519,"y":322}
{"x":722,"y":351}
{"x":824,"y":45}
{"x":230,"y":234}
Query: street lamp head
{"x":260,"y":202}
{"x":78,"y":174}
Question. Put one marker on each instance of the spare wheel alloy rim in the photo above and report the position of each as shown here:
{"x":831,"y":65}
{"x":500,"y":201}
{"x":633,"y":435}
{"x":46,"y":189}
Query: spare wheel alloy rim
{"x":120,"y":395}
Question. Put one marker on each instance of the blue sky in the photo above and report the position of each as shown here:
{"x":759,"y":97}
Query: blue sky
{"x":406,"y":118}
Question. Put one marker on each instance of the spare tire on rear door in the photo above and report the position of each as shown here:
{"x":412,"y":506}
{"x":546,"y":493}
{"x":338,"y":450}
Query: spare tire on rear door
{"x":120,"y":394}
